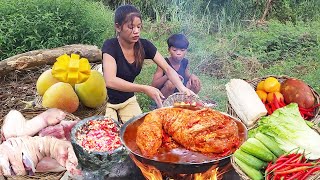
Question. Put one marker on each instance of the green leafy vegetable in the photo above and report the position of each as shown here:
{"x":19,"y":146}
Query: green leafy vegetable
{"x":290,"y":131}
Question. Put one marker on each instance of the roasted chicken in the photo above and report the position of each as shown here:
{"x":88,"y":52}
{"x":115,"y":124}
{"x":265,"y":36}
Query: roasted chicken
{"x":205,"y":130}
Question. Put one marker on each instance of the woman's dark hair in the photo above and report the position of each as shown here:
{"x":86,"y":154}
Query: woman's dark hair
{"x":178,"y":41}
{"x":124,"y":14}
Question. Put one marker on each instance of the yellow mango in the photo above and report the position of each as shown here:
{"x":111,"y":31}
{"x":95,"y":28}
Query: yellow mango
{"x":45,"y":81}
{"x":62,"y":96}
{"x":92,"y":93}
{"x":72,"y":69}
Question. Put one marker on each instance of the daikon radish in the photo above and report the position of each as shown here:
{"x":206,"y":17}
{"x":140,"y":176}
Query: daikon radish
{"x":245,"y":101}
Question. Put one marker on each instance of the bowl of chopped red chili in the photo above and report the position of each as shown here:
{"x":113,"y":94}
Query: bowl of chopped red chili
{"x":97,"y":145}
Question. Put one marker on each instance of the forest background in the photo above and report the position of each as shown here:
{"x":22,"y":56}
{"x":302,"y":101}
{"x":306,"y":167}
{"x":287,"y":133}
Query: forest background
{"x":228,"y":38}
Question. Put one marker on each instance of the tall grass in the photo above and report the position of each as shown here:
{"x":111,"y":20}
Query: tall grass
{"x":37,"y":24}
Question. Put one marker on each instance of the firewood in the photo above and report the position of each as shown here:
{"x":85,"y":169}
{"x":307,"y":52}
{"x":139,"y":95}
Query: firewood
{"x":48,"y":56}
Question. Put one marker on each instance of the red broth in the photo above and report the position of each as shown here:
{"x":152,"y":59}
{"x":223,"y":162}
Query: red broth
{"x":180,"y":154}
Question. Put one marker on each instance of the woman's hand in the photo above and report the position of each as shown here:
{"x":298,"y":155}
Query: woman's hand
{"x":188,"y":92}
{"x":155,"y":94}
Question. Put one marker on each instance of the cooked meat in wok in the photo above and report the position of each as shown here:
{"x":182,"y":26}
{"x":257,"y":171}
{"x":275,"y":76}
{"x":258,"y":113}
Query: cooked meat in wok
{"x":204,"y":130}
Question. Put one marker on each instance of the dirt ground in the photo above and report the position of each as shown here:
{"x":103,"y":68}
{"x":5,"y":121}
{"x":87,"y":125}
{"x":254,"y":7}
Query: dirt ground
{"x":17,"y":88}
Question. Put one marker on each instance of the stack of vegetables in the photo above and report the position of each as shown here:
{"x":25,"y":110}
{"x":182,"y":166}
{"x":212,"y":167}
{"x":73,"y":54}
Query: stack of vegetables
{"x":282,"y":146}
{"x":276,"y":95}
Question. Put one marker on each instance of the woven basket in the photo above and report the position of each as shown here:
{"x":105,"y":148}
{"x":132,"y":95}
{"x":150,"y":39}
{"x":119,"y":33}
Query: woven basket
{"x":254,"y":83}
{"x":245,"y":177}
{"x":316,"y":119}
{"x":28,"y":114}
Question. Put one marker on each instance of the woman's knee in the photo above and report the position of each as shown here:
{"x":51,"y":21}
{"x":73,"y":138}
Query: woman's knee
{"x":131,"y":110}
{"x":111,"y":113}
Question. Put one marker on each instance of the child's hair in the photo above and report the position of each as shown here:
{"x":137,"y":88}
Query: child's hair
{"x":178,"y":41}
{"x":124,"y":14}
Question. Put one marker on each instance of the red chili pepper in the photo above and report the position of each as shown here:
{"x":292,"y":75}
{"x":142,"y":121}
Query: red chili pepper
{"x":313,"y":107}
{"x":308,"y":114}
{"x":273,"y":108}
{"x":306,"y":110}
{"x":270,"y":164}
{"x":297,"y":169}
{"x":302,"y":115}
{"x":268,"y":109}
{"x":281,"y":103}
{"x":295,"y":176}
{"x":310,"y":172}
{"x":301,"y":164}
{"x":275,"y":102}
{"x":268,"y":177}
{"x":296,"y":156}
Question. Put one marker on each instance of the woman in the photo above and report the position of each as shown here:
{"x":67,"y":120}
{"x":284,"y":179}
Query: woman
{"x":123,"y":57}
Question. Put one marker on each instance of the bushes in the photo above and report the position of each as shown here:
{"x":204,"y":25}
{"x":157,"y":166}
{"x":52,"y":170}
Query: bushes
{"x":36,"y":24}
{"x":279,"y":41}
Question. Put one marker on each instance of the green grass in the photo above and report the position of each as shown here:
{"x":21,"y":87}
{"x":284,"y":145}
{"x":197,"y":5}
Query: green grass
{"x":244,"y":54}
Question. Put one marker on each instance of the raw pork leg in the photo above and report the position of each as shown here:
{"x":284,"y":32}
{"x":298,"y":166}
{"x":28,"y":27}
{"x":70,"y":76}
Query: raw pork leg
{"x":48,"y":164}
{"x":61,"y":131}
{"x":15,"y":125}
{"x":35,"y":149}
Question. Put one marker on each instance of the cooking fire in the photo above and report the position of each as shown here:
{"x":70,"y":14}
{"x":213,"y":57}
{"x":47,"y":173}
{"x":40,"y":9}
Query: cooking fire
{"x":152,"y":173}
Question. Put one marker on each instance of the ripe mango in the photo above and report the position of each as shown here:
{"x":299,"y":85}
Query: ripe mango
{"x":92,"y":93}
{"x":71,"y":69}
{"x":62,"y":96}
{"x":45,"y":81}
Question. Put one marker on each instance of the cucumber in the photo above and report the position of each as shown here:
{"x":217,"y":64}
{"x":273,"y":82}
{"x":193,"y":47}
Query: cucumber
{"x":250,"y":160}
{"x":251,"y":172}
{"x":256,"y":148}
{"x":270,"y":144}
{"x":259,"y":143}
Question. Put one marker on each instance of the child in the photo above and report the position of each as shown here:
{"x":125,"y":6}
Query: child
{"x":122,"y":59}
{"x":177,"y":47}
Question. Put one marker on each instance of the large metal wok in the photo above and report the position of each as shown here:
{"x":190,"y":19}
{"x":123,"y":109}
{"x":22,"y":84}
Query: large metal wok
{"x":177,"y":163}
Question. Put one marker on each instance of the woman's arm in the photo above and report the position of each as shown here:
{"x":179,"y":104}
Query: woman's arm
{"x":158,"y":78}
{"x":171,"y":73}
{"x":112,"y":81}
